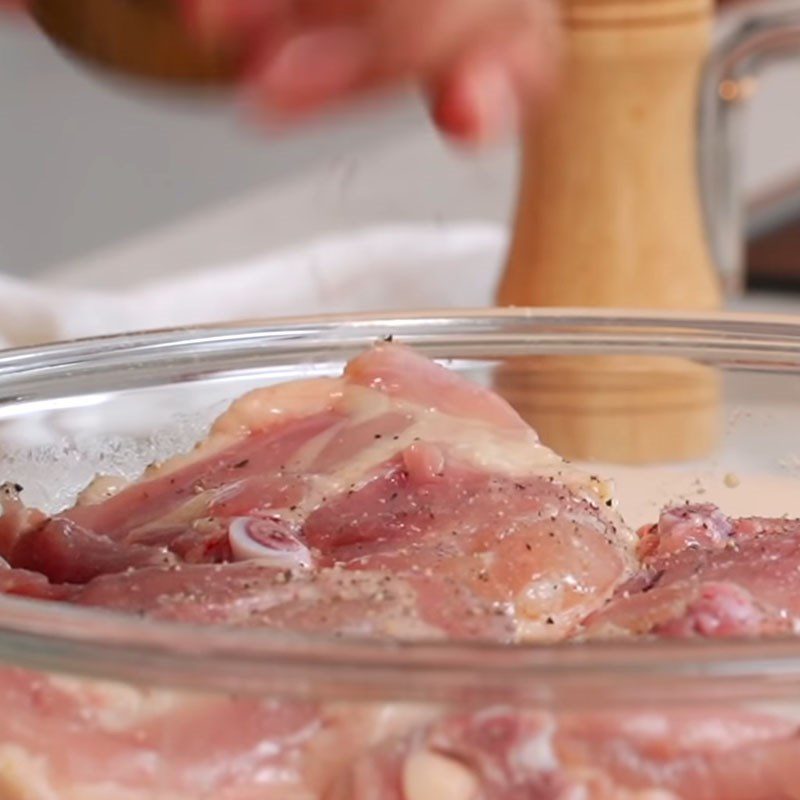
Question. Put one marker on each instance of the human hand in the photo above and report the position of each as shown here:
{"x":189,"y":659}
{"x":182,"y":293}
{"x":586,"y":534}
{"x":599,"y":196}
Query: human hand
{"x":482,"y":63}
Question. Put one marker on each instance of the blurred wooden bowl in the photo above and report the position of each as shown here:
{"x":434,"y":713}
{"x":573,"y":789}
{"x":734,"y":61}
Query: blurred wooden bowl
{"x":145,"y":39}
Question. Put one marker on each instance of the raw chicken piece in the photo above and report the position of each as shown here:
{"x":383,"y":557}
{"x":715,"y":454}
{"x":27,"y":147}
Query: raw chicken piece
{"x":706,"y":575}
{"x":498,"y":753}
{"x":65,"y":739}
{"x":335,"y":600}
{"x":396,"y":501}
{"x":508,"y":754}
{"x":147,"y":743}
{"x":709,"y":754}
{"x":399,"y":470}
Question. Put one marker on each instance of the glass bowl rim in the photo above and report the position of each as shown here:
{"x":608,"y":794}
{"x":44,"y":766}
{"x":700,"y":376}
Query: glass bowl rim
{"x":110,"y":646}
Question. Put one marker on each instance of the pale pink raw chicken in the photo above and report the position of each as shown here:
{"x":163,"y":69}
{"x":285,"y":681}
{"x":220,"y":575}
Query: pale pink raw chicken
{"x":703,"y":574}
{"x":397,"y":501}
{"x":506,"y":754}
{"x":400,"y":471}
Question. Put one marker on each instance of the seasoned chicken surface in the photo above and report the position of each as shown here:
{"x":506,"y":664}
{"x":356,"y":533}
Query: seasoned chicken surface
{"x":399,"y":502}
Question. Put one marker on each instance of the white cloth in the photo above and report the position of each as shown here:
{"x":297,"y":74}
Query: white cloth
{"x":380,"y":269}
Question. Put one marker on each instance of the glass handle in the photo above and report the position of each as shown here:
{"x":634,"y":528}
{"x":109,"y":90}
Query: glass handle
{"x":758,"y":33}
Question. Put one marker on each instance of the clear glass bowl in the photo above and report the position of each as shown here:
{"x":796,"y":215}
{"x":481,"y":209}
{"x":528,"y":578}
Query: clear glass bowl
{"x":114,"y":405}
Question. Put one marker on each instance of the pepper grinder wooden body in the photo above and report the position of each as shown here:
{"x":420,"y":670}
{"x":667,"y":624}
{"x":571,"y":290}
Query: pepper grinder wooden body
{"x":610,"y":216}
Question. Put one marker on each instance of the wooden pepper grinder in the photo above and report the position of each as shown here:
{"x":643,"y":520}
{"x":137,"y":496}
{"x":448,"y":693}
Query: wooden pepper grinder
{"x":610,"y":216}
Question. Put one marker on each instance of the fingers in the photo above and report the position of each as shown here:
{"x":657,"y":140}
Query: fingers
{"x":477,"y":103}
{"x":307,"y":71}
{"x":483,"y":61}
{"x":489,"y":91}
